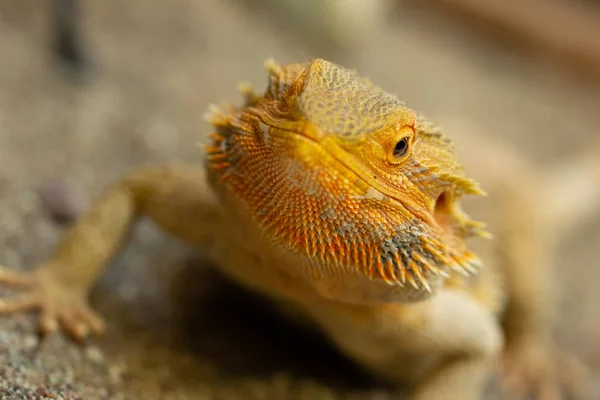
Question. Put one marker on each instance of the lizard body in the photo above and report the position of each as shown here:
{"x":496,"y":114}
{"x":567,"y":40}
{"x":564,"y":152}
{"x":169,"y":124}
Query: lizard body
{"x":343,"y":205}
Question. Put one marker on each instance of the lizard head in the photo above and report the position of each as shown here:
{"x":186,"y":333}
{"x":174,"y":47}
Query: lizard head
{"x":337,"y":170}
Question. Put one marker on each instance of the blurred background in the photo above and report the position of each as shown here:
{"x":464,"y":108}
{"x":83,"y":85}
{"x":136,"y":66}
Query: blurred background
{"x":90,"y":89}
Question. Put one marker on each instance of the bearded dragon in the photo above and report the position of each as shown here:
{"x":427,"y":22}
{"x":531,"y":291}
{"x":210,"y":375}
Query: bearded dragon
{"x":343,"y":205}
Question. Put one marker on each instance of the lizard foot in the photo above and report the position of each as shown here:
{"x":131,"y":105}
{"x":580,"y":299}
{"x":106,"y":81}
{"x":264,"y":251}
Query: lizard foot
{"x":58,"y":304}
{"x":534,"y":369}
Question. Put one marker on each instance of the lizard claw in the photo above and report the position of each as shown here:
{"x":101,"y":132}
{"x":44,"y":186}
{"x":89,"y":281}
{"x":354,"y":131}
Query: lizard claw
{"x":535,"y":369}
{"x":58,"y":305}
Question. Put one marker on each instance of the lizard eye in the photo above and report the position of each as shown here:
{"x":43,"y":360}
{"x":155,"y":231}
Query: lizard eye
{"x":401,"y":147}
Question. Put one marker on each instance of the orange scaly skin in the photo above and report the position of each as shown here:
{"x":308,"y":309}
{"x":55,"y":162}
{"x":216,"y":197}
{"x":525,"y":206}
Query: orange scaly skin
{"x":342,"y":205}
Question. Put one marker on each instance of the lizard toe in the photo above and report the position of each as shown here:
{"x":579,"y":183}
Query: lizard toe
{"x":24,"y":302}
{"x":48,"y":323}
{"x":93,"y":320}
{"x":75,"y":327}
{"x":12,"y":278}
{"x":540,"y":371}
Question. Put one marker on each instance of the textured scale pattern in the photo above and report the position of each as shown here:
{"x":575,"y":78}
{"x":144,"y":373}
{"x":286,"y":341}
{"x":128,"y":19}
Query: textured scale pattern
{"x":340,"y":102}
{"x":310,"y":202}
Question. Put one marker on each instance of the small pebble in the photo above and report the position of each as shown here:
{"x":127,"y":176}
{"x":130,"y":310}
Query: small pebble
{"x":115,"y":373}
{"x":30,"y":342}
{"x":63,"y":203}
{"x":94,"y":354}
{"x":43,"y":393}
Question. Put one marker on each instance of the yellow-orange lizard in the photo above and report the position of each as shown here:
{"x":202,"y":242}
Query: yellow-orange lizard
{"x":342,"y":204}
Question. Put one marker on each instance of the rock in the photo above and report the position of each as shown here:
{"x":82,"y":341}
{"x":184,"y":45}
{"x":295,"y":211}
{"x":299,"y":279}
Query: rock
{"x":61,"y":201}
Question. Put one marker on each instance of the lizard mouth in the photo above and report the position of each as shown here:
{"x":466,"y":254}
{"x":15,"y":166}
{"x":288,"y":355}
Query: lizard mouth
{"x":442,"y":211}
{"x":456,"y":227}
{"x":449,"y":215}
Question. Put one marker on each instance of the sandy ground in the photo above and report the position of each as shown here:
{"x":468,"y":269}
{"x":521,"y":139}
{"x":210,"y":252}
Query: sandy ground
{"x":156,"y":68}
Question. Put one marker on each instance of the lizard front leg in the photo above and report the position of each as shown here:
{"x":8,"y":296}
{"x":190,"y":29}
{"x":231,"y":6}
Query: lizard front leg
{"x":532,"y":210}
{"x":173,"y":195}
{"x":442,"y":348}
